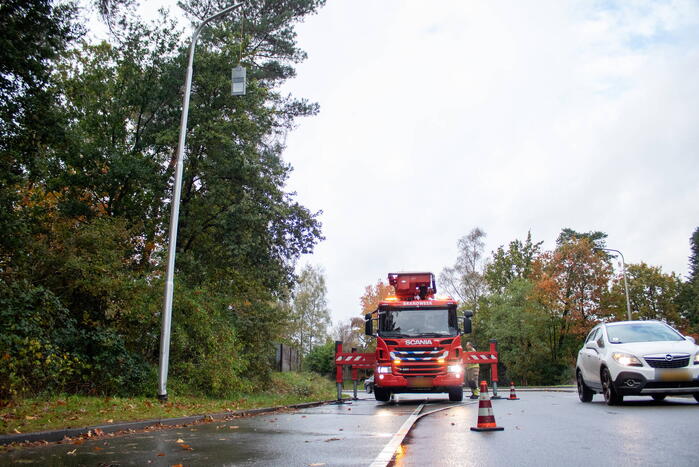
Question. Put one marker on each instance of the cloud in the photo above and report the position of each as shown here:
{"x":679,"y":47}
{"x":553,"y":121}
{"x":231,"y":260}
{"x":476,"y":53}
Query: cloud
{"x":509,"y":116}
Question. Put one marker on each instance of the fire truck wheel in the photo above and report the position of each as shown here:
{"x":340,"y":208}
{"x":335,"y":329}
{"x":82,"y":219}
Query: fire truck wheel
{"x":381,"y":394}
{"x":456,"y":394}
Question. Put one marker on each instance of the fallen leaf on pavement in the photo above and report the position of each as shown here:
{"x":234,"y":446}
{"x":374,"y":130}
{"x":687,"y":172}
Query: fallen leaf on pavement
{"x":111,"y":420}
{"x":332,"y":439}
{"x":233,"y":427}
{"x":180,"y":440}
{"x":186,"y":447}
{"x":161,"y":454}
{"x":72,"y":453}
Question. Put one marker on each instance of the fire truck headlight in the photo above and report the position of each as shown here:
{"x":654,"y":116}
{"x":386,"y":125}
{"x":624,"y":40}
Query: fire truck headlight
{"x":456,"y":369}
{"x":383,"y":370}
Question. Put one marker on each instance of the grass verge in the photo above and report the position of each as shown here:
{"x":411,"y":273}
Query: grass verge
{"x":72,"y":411}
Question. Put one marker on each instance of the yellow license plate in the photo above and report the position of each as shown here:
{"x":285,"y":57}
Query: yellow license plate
{"x":419,"y":382}
{"x":674,"y":375}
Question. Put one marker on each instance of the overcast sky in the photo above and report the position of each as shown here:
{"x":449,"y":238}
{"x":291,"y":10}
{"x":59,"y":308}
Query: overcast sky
{"x":437,"y":117}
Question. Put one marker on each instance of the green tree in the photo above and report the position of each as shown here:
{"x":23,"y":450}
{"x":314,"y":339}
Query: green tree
{"x":596,"y":238}
{"x":688,"y":298}
{"x":310,"y":316}
{"x":514,"y":263}
{"x":519,"y":323}
{"x":652,"y":294}
{"x":89,"y":199}
{"x":570,"y":284}
{"x":321,"y":359}
{"x":33,"y":36}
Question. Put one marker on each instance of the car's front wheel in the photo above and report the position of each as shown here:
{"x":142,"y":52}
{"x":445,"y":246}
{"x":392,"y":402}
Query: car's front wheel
{"x":381,"y":394}
{"x":584,"y":393}
{"x":456,"y":394}
{"x":611,"y":396}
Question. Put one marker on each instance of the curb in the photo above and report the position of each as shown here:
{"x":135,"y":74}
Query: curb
{"x":58,"y":435}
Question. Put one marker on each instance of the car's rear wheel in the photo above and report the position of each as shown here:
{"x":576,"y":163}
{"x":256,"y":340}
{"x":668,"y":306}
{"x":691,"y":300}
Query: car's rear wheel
{"x":659,"y":397}
{"x":611,"y":396}
{"x":584,"y":393}
{"x":381,"y":394}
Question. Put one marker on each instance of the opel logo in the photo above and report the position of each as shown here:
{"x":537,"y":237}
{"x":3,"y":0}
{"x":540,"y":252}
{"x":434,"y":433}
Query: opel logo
{"x":668,"y":357}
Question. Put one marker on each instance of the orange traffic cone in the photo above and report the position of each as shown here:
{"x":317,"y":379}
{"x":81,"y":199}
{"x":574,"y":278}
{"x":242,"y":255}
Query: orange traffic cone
{"x":513,"y":395}
{"x":486,"y":419}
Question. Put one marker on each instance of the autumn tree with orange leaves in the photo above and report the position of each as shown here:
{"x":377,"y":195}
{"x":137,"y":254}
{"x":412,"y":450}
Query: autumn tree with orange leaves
{"x":373,"y":294}
{"x":570,"y":284}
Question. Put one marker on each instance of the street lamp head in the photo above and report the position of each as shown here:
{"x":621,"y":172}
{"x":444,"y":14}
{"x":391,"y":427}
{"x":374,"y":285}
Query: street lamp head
{"x":238,"y":81}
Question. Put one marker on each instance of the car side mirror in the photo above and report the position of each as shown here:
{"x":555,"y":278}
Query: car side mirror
{"x":591,"y":345}
{"x":368,"y":325}
{"x":467,"y":325}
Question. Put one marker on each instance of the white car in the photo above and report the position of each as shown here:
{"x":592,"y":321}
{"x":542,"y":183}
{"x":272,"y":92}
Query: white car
{"x":637,"y":358}
{"x":369,"y":384}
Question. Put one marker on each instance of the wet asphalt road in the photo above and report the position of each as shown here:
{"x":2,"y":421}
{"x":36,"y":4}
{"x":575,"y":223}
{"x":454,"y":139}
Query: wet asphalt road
{"x":541,"y":429}
{"x":555,"y":429}
{"x":344,"y":435}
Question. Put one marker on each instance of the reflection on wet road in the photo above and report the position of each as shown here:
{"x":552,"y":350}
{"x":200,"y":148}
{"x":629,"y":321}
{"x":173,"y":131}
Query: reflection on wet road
{"x":541,"y":429}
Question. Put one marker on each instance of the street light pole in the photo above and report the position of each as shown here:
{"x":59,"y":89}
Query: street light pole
{"x":175,"y":212}
{"x":623,"y":274}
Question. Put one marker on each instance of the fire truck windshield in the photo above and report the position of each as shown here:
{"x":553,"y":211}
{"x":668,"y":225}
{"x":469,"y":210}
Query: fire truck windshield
{"x":433,"y":322}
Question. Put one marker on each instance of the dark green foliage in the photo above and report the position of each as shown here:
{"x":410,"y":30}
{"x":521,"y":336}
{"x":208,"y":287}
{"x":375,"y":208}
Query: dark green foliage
{"x":688,"y":298}
{"x":321,"y":359}
{"x":596,"y":238}
{"x":513,"y":263}
{"x":519,"y":324}
{"x":694,"y":256}
{"x":33,"y":33}
{"x":86,"y":186}
{"x":43,"y":348}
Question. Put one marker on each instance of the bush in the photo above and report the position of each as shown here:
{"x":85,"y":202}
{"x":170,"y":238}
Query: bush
{"x":321,"y":359}
{"x":303,"y":384}
{"x":43,"y":349}
{"x":205,"y":352}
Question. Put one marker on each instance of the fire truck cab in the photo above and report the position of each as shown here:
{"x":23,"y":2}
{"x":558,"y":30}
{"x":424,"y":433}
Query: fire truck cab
{"x":418,"y":344}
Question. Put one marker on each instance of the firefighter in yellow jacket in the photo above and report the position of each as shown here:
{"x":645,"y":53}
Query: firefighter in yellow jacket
{"x":472,"y":371}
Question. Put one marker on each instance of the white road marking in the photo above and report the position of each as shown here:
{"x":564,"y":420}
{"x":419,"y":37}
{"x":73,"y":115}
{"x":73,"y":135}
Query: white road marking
{"x":386,"y":455}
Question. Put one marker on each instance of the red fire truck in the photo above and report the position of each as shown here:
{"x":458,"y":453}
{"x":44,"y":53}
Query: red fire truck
{"x":418,"y":342}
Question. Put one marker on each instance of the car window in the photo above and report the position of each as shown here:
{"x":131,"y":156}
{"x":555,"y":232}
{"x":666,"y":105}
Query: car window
{"x":600,"y":338}
{"x":642,"y":332}
{"x":591,"y":336}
